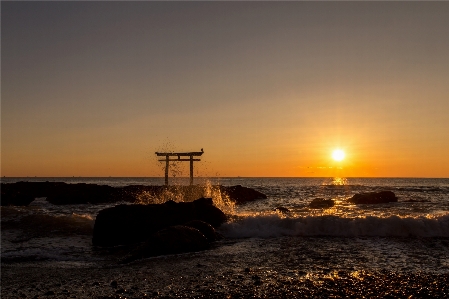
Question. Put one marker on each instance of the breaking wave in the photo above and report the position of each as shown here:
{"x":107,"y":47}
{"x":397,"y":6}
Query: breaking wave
{"x":265,"y":226}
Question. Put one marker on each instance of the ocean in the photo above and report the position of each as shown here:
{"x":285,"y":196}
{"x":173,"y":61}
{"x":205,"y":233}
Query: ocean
{"x":409,"y":237}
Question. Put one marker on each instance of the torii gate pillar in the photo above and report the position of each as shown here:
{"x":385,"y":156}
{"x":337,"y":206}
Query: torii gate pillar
{"x":179,"y":155}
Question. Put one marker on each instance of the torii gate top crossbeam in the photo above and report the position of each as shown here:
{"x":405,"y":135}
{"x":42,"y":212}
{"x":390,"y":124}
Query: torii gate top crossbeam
{"x":179,"y":155}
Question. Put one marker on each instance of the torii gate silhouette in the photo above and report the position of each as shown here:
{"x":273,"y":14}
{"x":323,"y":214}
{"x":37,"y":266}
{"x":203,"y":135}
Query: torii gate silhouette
{"x":179,"y":155}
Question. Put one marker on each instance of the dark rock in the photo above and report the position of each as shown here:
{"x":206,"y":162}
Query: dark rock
{"x":321,"y":203}
{"x":23,"y":193}
{"x":81,"y":194}
{"x":128,"y":224}
{"x":178,"y":239}
{"x":374,"y":198}
{"x":205,"y":228}
{"x":207,"y":212}
{"x":171,"y":240}
{"x":59,"y":193}
{"x":16,"y":199}
{"x":241,"y":194}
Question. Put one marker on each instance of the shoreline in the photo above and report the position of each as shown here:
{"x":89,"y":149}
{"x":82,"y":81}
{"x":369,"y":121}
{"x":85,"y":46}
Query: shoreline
{"x":248,"y":268}
{"x":189,"y":279}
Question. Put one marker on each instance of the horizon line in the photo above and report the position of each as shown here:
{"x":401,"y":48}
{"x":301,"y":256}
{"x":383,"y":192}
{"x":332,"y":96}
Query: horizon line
{"x":242,"y":177}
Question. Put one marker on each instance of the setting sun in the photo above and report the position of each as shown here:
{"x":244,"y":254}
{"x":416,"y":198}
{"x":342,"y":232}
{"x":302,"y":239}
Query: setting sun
{"x":338,"y":155}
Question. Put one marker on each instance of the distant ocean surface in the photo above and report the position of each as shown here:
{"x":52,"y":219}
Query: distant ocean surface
{"x":410,"y":235}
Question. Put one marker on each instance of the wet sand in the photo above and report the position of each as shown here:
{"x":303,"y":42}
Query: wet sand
{"x":287,"y":268}
{"x":193,"y":281}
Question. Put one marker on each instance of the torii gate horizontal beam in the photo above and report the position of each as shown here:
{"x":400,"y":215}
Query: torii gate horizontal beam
{"x":179,"y":160}
{"x":179,"y":155}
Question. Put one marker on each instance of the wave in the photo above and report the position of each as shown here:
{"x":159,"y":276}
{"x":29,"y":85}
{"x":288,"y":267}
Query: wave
{"x":265,"y":226}
{"x":44,"y":224}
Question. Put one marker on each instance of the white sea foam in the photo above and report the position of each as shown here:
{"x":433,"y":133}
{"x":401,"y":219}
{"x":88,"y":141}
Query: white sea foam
{"x":265,"y":226}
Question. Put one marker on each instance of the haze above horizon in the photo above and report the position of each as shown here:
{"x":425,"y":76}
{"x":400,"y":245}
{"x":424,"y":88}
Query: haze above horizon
{"x":268,"y":89}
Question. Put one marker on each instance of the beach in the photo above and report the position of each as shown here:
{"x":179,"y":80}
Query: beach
{"x":253,"y":268}
{"x":392,"y":250}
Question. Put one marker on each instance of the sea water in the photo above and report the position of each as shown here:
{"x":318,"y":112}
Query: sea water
{"x":409,"y":235}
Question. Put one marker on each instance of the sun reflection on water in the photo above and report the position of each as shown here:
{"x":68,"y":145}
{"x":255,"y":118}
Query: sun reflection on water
{"x":337,"y":181}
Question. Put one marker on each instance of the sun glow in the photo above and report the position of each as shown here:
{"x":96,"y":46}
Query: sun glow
{"x":338,"y":155}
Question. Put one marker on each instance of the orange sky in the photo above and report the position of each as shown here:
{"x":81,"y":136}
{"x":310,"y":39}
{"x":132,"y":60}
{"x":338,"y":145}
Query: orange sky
{"x":267,"y":89}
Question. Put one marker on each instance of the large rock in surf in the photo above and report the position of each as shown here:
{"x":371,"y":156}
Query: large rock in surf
{"x":373,"y":198}
{"x":205,"y":228}
{"x":170,"y":240}
{"x":128,"y":224}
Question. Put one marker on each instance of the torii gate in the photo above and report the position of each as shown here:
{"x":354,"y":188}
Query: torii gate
{"x":179,"y":155}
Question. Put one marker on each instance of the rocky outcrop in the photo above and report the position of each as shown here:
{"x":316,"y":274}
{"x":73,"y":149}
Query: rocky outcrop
{"x":128,"y":224}
{"x":58,"y":193}
{"x":23,"y":193}
{"x":373,"y":198}
{"x":321,"y":203}
{"x":82,"y":194}
{"x":240,"y":194}
{"x":205,"y":228}
{"x":170,"y":240}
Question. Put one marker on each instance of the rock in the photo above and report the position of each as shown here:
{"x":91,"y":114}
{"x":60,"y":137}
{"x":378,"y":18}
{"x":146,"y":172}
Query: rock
{"x":81,"y":194}
{"x":17,"y":199}
{"x":321,"y":203}
{"x":21,"y":193}
{"x":241,"y":194}
{"x":59,"y":193}
{"x":373,"y":198}
{"x":207,"y":212}
{"x":129,"y":224}
{"x":178,"y":239}
{"x":205,"y":228}
{"x":170,"y":240}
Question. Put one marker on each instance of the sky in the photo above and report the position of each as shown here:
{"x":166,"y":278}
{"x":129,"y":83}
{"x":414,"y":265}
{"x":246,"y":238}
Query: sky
{"x":268,"y":89}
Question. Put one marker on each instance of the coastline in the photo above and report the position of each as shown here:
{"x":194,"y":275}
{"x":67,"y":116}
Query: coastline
{"x":345,"y":252}
{"x":191,"y":281}
{"x":248,"y":268}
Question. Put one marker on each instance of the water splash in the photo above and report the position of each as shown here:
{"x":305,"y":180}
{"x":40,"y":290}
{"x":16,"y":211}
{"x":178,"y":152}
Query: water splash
{"x":182,"y":193}
{"x":171,"y":193}
{"x":220,"y":199}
